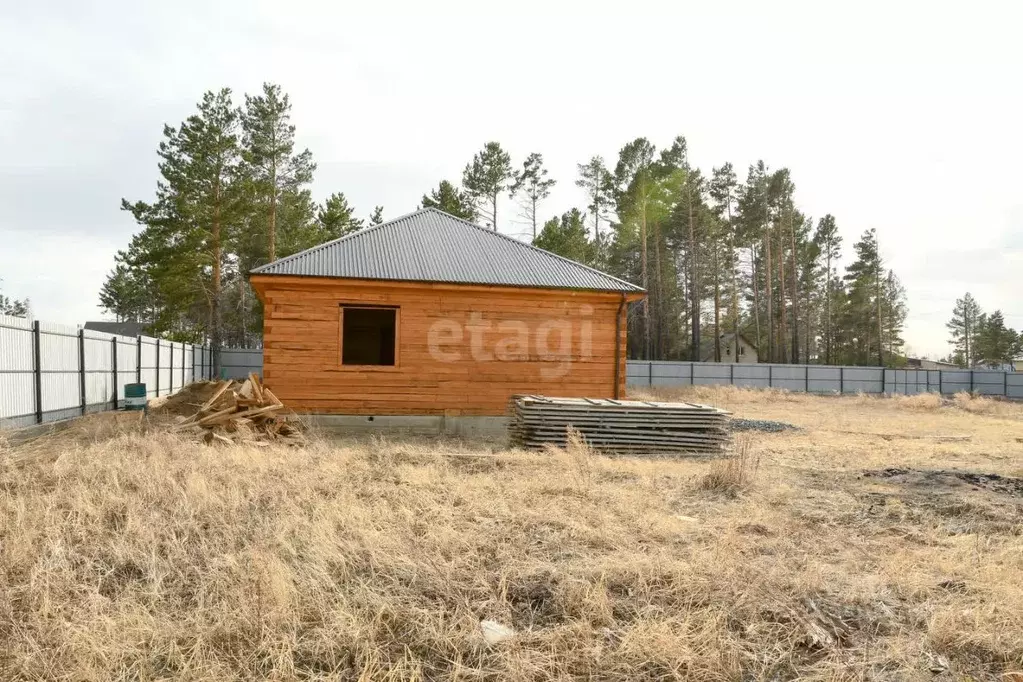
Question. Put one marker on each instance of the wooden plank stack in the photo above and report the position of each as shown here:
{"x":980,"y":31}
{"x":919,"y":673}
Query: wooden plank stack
{"x":242,"y":413}
{"x":618,"y":426}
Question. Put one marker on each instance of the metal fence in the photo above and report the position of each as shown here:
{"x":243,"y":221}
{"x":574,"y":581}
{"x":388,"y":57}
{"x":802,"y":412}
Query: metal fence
{"x":825,"y":378}
{"x":236,"y":363}
{"x":50,"y":371}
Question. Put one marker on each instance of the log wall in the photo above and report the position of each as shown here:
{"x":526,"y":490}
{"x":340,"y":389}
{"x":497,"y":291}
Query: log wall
{"x":461,"y":349}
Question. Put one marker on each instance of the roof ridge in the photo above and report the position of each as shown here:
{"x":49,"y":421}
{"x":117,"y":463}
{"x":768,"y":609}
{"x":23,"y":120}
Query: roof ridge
{"x":600,"y":280}
{"x":332,"y":242}
{"x":529,"y":246}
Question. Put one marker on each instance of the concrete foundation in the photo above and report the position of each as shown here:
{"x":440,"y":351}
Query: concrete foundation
{"x":489,"y":428}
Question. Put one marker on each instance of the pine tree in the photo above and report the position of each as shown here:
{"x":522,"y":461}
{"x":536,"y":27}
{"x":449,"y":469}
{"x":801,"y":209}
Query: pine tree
{"x":997,"y":344}
{"x":863,"y":319}
{"x":450,"y":199}
{"x":567,"y":237}
{"x":752,"y":221}
{"x":964,"y":328}
{"x":13,"y":307}
{"x":377,"y":216}
{"x":812,"y":283}
{"x":336,"y":218}
{"x":723,"y":187}
{"x":637,"y":192}
{"x":198,"y":202}
{"x":485,"y":178}
{"x":893,"y":314}
{"x":598,"y":183}
{"x":830,"y":244}
{"x":533,"y":185}
{"x":271,"y":164}
{"x":122,"y":295}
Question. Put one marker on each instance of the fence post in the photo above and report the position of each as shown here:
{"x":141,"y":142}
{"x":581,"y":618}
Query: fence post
{"x":81,"y":368}
{"x":182,"y":364}
{"x":158,"y":368}
{"x":113,"y":361}
{"x":770,"y":376}
{"x":731,"y":374}
{"x":38,"y":367}
{"x":841,"y":380}
{"x":971,"y":381}
{"x":1005,"y":384}
{"x":692,"y":373}
{"x":138,"y":360}
{"x":807,"y":378}
{"x":649,"y":373}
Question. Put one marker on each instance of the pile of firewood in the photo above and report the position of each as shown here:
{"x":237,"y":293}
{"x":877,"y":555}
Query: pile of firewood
{"x":246,"y":412}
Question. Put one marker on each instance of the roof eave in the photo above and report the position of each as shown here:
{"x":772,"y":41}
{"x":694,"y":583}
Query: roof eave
{"x":630,"y":294}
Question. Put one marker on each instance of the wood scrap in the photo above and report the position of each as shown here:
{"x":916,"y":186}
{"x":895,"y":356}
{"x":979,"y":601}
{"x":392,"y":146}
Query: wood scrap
{"x":247,"y":413}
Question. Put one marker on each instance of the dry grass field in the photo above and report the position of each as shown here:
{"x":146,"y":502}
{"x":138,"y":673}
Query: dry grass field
{"x":859,"y":547}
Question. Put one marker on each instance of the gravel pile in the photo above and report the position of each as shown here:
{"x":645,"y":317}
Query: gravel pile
{"x":760,"y":425}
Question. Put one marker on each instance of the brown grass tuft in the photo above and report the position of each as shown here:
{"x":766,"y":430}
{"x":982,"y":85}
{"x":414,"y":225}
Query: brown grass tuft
{"x":994,"y":407}
{"x":736,"y":472}
{"x":920,"y":401}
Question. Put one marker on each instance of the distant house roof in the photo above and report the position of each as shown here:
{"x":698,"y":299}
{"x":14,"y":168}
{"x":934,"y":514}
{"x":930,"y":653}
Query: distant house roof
{"x":430,"y":245}
{"x":122,"y":328}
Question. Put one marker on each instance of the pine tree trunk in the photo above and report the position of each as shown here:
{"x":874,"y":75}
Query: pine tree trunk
{"x":735,"y":286}
{"x":795,"y":293}
{"x":770,"y":296}
{"x":717,"y":304}
{"x":646,"y":285}
{"x":783,"y":340}
{"x":534,"y":218}
{"x":658,"y":353}
{"x":243,"y":297}
{"x":880,"y":320}
{"x":272,"y":236}
{"x":215,"y":331}
{"x":827,"y":312}
{"x":493,"y":203}
{"x":756,"y":298}
{"x":694,"y":275}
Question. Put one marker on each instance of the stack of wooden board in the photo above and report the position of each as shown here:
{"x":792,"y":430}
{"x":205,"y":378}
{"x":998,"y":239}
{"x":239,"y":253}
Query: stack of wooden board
{"x":618,"y":426}
{"x":242,"y":413}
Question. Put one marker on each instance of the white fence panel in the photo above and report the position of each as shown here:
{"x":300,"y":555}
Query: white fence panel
{"x":17,"y":371}
{"x":99,"y":375}
{"x":148,"y":373}
{"x":76,"y":371}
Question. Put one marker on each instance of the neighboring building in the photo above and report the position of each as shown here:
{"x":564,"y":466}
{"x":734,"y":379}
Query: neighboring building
{"x":747,"y":351}
{"x":924,"y":363}
{"x":998,"y":365}
{"x":122,"y":328}
{"x":429,"y":314}
{"x":1017,"y":364}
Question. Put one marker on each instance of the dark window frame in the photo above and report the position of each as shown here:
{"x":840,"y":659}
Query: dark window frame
{"x":341,"y":337}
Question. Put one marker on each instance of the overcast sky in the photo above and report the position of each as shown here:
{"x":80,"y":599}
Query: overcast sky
{"x":905,"y":117}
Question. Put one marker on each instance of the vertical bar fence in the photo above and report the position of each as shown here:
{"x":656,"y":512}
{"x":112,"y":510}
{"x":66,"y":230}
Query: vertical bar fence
{"x":50,"y":372}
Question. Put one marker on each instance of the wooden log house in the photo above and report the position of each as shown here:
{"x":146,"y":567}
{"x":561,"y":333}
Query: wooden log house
{"x":429,"y":314}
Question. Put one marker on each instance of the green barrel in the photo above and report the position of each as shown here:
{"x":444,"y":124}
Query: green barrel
{"x":134,"y":396}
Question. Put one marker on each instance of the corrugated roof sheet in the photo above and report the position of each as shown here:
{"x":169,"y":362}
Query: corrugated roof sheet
{"x":432,"y":246}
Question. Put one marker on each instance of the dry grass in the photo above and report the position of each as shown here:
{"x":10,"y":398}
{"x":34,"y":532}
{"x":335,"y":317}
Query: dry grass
{"x":736,"y":473}
{"x":146,"y":557}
